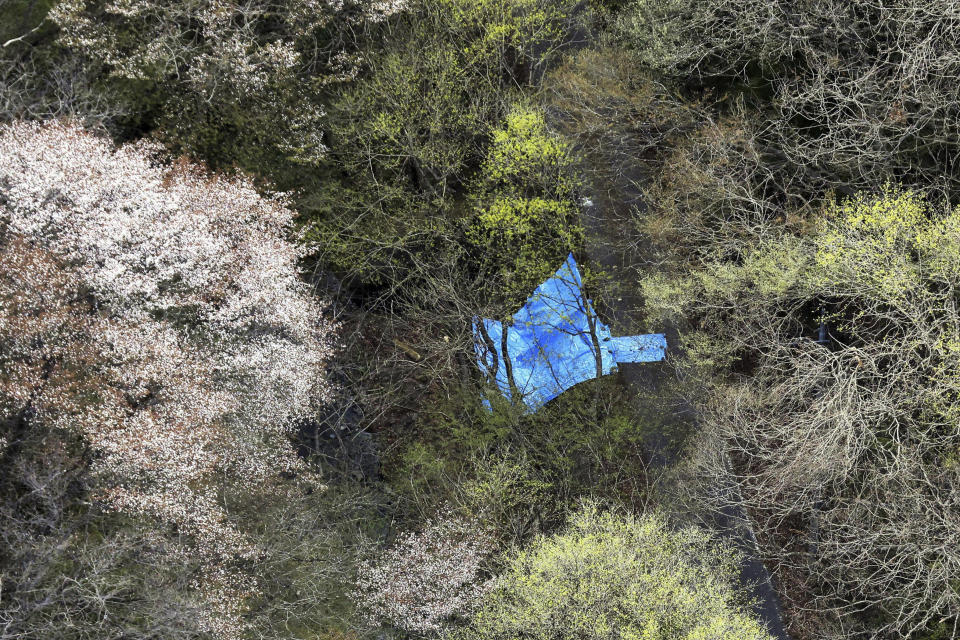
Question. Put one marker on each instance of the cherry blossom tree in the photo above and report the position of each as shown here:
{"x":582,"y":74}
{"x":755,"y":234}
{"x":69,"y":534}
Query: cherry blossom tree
{"x":427,"y":579}
{"x":157,"y":311}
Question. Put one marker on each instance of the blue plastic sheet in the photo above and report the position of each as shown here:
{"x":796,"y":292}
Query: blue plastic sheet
{"x":555,"y":341}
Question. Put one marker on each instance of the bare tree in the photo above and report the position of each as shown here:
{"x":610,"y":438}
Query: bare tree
{"x":862,"y":91}
{"x":843,"y":449}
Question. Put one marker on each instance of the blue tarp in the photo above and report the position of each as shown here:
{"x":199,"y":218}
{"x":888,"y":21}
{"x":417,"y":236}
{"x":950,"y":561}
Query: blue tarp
{"x":549,"y":345}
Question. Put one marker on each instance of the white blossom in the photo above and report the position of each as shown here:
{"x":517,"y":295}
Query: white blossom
{"x":426,"y":579}
{"x":159,"y":312}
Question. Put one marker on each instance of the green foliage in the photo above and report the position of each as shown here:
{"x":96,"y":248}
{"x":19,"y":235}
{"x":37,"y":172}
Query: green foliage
{"x":621,"y":577}
{"x":507,"y":494}
{"x":524,"y":156}
{"x":517,"y":473}
{"x":413,"y":115}
{"x":408,"y":137}
{"x":719,"y":305}
{"x":891,"y":262}
{"x":881,"y":249}
{"x":888,"y":246}
{"x":402,"y":139}
{"x":526,"y":199}
{"x":517,"y":36}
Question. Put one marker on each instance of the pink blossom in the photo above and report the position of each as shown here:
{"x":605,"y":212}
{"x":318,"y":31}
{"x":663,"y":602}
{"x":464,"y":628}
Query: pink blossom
{"x":158,"y":311}
{"x":426,"y":579}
